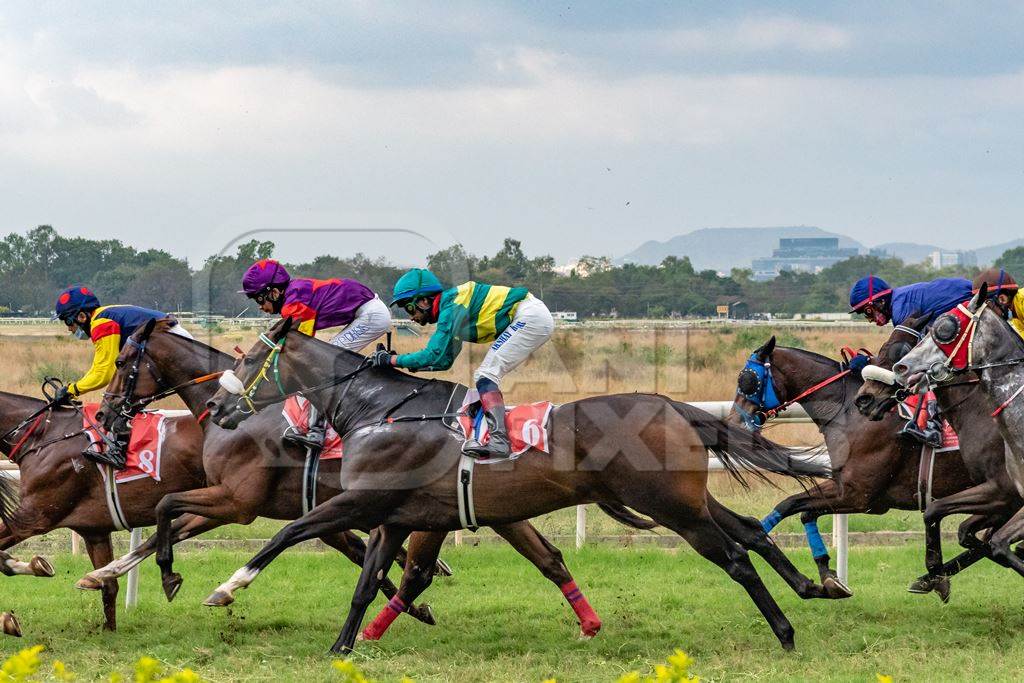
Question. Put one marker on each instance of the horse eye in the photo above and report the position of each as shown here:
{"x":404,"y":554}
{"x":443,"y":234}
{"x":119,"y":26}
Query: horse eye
{"x":248,"y":361}
{"x":118,"y":363}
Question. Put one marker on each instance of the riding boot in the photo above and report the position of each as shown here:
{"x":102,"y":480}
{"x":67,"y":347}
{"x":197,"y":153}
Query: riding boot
{"x":315,"y":434}
{"x":498,"y":445}
{"x":115,"y":454}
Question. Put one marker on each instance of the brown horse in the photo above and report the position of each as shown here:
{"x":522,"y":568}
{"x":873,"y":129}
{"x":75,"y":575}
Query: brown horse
{"x":61,"y":489}
{"x":401,"y":464}
{"x":991,"y":498}
{"x":252,"y":472}
{"x":873,"y":470}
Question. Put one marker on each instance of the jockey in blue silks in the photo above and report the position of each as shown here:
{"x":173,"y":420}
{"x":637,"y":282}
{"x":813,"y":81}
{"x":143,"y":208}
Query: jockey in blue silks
{"x":872,"y":297}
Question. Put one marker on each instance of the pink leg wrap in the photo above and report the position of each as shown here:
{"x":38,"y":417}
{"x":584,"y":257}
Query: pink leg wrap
{"x":590,"y":623}
{"x":380,"y":624}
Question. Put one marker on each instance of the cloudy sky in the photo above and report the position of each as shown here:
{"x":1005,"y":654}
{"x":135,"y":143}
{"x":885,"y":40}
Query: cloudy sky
{"x":576,"y":127}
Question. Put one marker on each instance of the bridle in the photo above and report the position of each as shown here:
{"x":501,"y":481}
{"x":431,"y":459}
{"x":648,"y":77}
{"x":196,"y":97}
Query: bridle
{"x":765,"y":396}
{"x":960,"y":359}
{"x":230,"y":382}
{"x":129,"y":406}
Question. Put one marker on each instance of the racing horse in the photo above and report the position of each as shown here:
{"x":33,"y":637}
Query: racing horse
{"x":403,"y":467}
{"x":60,"y":489}
{"x":873,"y":471}
{"x":252,"y":472}
{"x":990,"y":496}
{"x":973,"y":338}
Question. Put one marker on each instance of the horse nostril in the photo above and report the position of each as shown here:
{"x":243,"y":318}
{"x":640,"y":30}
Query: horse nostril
{"x":900,"y":369}
{"x":863,"y":401}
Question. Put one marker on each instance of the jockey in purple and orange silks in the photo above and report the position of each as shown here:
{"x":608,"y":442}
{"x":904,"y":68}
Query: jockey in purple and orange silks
{"x":316,"y":305}
{"x":872,"y":297}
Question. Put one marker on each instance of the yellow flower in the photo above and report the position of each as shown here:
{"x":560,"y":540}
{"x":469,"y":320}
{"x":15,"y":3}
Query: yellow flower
{"x":61,"y":673}
{"x":146,"y":670}
{"x":631,"y":677}
{"x":21,"y":666}
{"x":882,"y":678}
{"x":349,"y":672}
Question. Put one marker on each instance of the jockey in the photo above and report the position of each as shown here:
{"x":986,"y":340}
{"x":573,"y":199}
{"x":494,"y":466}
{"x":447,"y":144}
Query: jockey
{"x":108,"y":327}
{"x":514,"y":322}
{"x":880,"y":303}
{"x":1002,"y":291}
{"x":315,"y":305}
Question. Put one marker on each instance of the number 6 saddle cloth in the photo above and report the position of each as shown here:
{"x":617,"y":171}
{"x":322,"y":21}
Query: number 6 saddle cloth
{"x":527,"y":424}
{"x":148,"y":434}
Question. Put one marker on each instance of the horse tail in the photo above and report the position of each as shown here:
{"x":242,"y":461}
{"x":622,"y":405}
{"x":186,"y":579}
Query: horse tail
{"x":623,"y":515}
{"x":744,"y":452}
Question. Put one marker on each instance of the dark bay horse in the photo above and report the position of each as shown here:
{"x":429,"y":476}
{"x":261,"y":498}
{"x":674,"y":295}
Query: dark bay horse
{"x":973,"y":338}
{"x":400,"y":467}
{"x":988,"y":496}
{"x":252,"y":472}
{"x":60,"y":489}
{"x":873,"y":470}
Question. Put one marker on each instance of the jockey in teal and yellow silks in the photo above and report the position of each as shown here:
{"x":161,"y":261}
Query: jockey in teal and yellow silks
{"x":514,"y":322}
{"x":108,"y":327}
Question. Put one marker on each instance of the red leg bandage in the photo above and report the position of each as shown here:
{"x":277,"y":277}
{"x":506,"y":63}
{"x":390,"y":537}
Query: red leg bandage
{"x":590,"y":623}
{"x":380,"y":624}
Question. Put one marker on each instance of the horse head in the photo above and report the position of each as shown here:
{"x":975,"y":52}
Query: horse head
{"x":878,"y":395}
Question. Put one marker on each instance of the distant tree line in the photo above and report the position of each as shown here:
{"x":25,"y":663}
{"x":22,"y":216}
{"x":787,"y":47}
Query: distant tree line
{"x":34,"y":266}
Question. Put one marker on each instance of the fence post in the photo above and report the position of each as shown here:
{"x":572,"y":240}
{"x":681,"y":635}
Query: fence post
{"x":581,"y":526}
{"x":458,"y":537}
{"x":131,"y":595}
{"x":76,"y":544}
{"x":841,"y":540}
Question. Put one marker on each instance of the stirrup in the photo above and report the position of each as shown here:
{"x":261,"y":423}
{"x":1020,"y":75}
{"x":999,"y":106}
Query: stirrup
{"x":475,"y":449}
{"x":105,"y":458}
{"x":311,"y":439}
{"x":929,"y":437}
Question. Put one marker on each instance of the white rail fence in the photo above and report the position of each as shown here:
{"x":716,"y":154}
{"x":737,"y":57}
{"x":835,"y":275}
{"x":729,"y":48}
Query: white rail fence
{"x":795,"y":414}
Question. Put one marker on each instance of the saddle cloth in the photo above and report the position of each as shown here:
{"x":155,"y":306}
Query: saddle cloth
{"x":950,"y":441}
{"x":296,"y":414}
{"x":144,"y":445}
{"x":527,"y":424}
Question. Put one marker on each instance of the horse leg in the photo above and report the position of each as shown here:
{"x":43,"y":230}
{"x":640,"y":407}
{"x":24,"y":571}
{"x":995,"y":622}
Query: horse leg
{"x":825,"y":498}
{"x":100,"y":553}
{"x":983,"y":499}
{"x":1004,"y":537}
{"x":11,"y":566}
{"x":708,"y":539}
{"x":185,"y":526}
{"x":384,"y":544}
{"x":529,"y":543}
{"x":213,"y":502}
{"x":350,"y":509}
{"x":352,"y":547}
{"x":417,"y":575}
{"x":749,"y":533}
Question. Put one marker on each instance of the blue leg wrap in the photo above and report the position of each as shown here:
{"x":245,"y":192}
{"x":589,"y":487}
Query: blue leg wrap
{"x":771,"y":521}
{"x":814,"y":540}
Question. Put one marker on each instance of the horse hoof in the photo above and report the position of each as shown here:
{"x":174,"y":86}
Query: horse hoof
{"x":943,"y":588}
{"x":89,"y":583}
{"x":219,"y":599}
{"x":10,"y":624}
{"x":442,"y":568}
{"x":920,"y":585}
{"x":836,"y":589}
{"x":426,"y":615}
{"x":788,"y":645}
{"x":41,"y":567}
{"x":341,"y":649}
{"x":172,"y":584}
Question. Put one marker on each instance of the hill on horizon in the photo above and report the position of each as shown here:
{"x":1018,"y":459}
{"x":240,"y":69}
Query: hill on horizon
{"x":722,"y":249}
